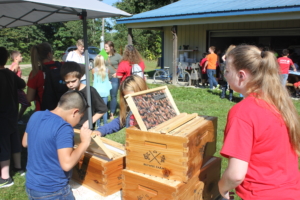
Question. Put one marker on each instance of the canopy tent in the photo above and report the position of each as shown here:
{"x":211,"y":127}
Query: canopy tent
{"x":14,"y":13}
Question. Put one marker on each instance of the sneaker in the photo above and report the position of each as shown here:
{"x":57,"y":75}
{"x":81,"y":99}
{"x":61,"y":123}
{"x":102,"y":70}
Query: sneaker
{"x":20,"y":122}
{"x":20,"y":171}
{"x":6,"y":182}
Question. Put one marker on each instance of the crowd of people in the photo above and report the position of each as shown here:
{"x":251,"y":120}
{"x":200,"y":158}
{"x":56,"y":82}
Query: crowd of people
{"x":213,"y":65}
{"x":58,"y":90}
{"x":261,"y":137}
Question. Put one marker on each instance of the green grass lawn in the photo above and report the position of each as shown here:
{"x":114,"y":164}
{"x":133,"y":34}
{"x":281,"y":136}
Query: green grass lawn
{"x":190,"y":100}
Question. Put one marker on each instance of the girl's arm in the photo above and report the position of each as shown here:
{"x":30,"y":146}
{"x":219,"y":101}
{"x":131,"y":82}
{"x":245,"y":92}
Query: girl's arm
{"x":30,"y":94}
{"x":24,"y":140}
{"x":233,"y":176}
{"x":111,"y":127}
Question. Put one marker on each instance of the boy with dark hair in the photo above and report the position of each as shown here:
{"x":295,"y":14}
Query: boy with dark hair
{"x":285,"y":63}
{"x":9,"y":106}
{"x":50,"y":139}
{"x":71,"y":72}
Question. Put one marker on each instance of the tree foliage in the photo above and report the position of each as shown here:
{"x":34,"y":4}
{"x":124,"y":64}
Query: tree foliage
{"x":64,"y":34}
{"x":148,"y":42}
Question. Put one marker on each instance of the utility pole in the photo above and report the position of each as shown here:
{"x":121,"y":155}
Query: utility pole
{"x":102,"y":37}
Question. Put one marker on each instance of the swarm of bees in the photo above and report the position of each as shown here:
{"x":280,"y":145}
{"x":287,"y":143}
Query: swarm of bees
{"x":154,"y":108}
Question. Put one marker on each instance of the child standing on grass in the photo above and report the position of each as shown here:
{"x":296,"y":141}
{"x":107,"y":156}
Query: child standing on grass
{"x":285,"y":63}
{"x":16,"y":57}
{"x":9,"y":136}
{"x":262,"y":133}
{"x":50,"y":139}
{"x":71,"y":72}
{"x":211,"y":66}
{"x":101,"y":83}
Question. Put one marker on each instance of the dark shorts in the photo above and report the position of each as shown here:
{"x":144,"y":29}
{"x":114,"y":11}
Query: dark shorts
{"x":22,"y":98}
{"x":9,"y":144}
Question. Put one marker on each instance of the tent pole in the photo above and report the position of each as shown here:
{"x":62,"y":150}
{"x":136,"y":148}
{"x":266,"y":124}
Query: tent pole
{"x":87,"y":71}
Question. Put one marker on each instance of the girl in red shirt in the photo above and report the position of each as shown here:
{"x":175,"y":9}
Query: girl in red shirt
{"x":262,"y":132}
{"x":130,"y":56}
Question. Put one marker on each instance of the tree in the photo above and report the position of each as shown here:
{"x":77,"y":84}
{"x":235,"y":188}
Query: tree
{"x":148,"y":42}
{"x":21,"y":39}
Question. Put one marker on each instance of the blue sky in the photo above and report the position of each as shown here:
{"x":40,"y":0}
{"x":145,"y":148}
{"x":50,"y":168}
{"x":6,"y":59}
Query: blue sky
{"x":110,"y":2}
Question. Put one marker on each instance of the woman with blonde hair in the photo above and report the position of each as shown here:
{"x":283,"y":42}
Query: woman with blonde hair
{"x":130,"y":85}
{"x":101,"y":83}
{"x":262,"y":138}
{"x":131,"y":56}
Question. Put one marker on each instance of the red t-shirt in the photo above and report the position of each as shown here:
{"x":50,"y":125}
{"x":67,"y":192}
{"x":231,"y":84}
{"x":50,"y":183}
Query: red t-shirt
{"x":202,"y":63}
{"x":284,"y":63}
{"x":37,"y":83}
{"x":256,"y":134}
{"x":124,"y":69}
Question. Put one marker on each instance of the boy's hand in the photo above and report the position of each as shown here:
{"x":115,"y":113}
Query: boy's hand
{"x":86,"y":124}
{"x":85,"y":135}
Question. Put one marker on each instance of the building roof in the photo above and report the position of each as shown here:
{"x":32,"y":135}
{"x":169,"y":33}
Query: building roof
{"x":189,"y":9}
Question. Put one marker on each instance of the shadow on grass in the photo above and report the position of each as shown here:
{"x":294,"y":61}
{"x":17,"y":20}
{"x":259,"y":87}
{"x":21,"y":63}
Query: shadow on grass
{"x":218,"y":93}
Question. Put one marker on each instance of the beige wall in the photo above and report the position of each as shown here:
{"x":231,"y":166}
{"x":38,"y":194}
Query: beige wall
{"x":195,"y":35}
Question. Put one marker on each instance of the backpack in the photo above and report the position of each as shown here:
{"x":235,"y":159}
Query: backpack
{"x":54,"y":85}
{"x":137,"y":70}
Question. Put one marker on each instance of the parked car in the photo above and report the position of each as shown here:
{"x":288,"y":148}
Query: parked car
{"x":93,"y":52}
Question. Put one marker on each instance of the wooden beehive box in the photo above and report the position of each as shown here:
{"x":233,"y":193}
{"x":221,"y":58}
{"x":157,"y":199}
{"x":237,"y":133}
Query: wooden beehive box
{"x":145,"y":187}
{"x":203,"y":185}
{"x":210,"y":175}
{"x":96,"y":171}
{"x":174,"y":147}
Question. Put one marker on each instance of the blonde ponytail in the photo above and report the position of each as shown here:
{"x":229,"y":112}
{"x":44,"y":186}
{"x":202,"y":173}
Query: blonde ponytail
{"x":35,"y":62}
{"x":266,"y":84}
{"x":100,"y":65}
{"x":39,"y":53}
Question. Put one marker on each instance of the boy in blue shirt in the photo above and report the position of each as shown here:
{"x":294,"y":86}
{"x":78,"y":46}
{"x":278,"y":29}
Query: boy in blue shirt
{"x":49,"y":136}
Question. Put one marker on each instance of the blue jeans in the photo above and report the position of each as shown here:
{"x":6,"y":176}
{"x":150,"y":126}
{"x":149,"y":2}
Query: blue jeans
{"x":105,"y":99}
{"x":211,"y":78}
{"x":115,"y":82}
{"x":62,"y":194}
{"x":284,"y":78}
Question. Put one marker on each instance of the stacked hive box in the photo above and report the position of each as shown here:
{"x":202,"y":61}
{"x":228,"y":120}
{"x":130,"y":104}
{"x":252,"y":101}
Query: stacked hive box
{"x":97,"y":171}
{"x":164,"y":157}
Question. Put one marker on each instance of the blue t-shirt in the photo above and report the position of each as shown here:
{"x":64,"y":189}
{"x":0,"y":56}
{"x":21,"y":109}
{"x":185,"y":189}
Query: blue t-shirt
{"x":47,"y":132}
